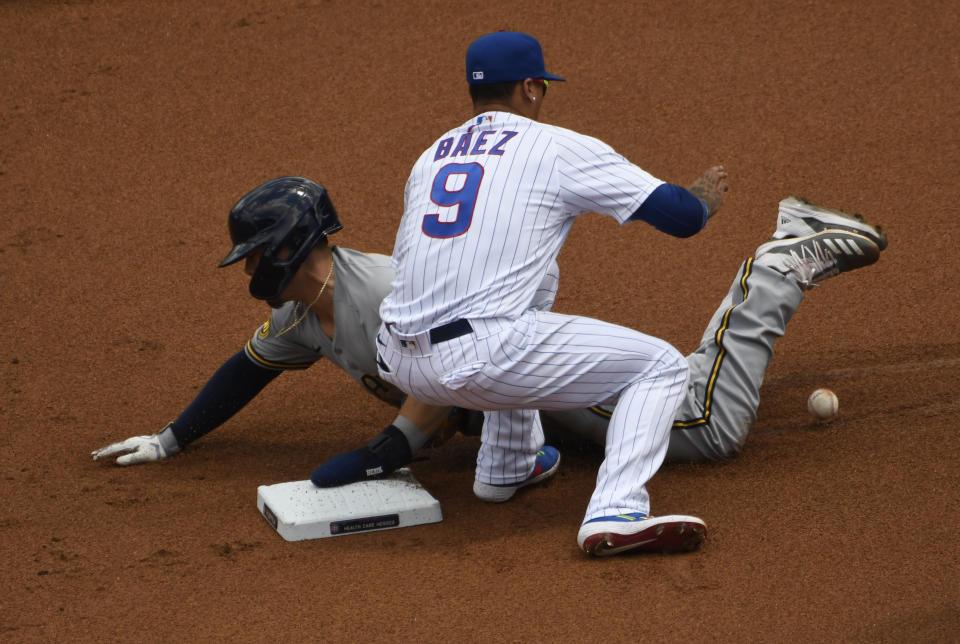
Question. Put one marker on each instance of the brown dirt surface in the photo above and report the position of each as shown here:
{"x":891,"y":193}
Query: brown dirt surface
{"x":128,"y":129}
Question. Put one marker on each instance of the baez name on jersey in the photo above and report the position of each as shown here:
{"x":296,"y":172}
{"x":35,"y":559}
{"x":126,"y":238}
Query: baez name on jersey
{"x":486,"y":142}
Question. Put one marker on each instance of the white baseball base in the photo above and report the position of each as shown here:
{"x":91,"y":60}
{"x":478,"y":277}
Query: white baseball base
{"x":298,"y":510}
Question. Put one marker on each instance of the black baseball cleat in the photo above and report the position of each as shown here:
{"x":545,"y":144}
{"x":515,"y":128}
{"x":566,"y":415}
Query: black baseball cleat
{"x":813,"y":258}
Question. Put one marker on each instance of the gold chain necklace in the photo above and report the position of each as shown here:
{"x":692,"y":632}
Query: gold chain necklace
{"x":315,"y":300}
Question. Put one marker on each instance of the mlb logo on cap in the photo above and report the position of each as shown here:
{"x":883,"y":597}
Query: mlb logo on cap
{"x":504,"y":57}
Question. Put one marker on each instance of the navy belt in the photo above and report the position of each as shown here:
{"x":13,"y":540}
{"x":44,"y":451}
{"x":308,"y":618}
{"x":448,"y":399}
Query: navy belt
{"x":450,"y":331}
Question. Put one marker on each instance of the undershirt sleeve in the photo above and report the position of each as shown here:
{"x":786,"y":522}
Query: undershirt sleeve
{"x":673,"y":210}
{"x":233,"y":385}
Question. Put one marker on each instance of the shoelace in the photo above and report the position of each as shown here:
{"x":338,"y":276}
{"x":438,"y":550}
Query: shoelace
{"x":813,"y":262}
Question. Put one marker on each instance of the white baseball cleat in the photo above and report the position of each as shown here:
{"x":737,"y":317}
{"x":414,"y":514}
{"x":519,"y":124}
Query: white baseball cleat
{"x":639,"y":532}
{"x":547,"y":463}
{"x":799,"y":218}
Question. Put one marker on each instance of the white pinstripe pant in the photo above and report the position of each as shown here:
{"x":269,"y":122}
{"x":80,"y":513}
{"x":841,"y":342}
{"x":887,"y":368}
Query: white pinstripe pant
{"x":546,"y":360}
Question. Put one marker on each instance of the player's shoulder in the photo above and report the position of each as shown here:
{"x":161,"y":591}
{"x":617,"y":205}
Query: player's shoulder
{"x":288,"y":330}
{"x":365,"y":278}
{"x":280,"y":318}
{"x":454,"y":132}
{"x":351,"y":257}
{"x":564,"y":134}
{"x":286,"y":340}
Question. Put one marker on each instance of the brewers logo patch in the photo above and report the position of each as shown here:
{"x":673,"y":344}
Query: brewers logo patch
{"x":264,"y":330}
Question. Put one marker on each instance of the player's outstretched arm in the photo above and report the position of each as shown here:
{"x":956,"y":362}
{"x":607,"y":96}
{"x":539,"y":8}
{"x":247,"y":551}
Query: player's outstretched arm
{"x":235,"y":383}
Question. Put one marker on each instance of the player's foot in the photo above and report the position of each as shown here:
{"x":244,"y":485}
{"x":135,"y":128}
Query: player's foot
{"x":640,"y":532}
{"x":799,"y":218}
{"x":813,"y":258}
{"x":548,"y":461}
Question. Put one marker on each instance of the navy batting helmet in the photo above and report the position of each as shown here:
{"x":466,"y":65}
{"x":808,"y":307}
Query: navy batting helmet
{"x":290,"y":213}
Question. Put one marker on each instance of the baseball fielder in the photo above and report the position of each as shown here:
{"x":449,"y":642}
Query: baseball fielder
{"x":487,"y":208}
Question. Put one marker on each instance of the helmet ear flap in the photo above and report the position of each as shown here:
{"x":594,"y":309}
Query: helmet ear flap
{"x":270,"y":278}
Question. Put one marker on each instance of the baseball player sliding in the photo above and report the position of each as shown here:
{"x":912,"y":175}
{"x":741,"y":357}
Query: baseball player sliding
{"x":291,"y":217}
{"x":324,"y":301}
{"x":487,"y":209}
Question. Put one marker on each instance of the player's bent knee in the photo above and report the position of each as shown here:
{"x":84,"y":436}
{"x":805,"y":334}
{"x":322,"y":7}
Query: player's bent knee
{"x":677,"y":363}
{"x":703,"y":443}
{"x":729,"y":450}
{"x":727,"y":447}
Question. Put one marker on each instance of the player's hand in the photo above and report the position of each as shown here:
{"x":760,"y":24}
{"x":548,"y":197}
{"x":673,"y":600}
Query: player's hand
{"x":379,"y":458}
{"x":139,"y":449}
{"x":351,"y":467}
{"x":710,"y":187}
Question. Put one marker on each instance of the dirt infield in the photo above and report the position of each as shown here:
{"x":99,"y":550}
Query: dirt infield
{"x":128,"y":129}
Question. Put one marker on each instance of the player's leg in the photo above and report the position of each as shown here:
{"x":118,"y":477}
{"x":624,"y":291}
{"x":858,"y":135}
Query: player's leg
{"x":636,"y":441}
{"x":553,"y":361}
{"x":588,"y":423}
{"x":728,"y":367}
{"x":566,"y":362}
{"x":618,"y":518}
{"x":512,"y":454}
{"x":810,"y":244}
{"x":726,"y":371}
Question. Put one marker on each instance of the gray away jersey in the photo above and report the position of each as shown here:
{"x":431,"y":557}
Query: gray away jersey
{"x":362,"y":281}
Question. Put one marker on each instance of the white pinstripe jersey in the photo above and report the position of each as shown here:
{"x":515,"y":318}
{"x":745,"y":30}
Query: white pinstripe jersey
{"x":486,"y":210}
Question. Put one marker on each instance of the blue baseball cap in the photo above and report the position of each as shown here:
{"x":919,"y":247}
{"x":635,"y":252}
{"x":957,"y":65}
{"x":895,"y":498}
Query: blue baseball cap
{"x":504,"y":57}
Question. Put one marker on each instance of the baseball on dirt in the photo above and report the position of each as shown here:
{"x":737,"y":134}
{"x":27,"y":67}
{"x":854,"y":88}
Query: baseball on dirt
{"x":823,"y":404}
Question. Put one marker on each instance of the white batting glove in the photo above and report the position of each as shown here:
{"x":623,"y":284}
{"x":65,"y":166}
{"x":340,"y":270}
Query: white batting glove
{"x":141,"y":449}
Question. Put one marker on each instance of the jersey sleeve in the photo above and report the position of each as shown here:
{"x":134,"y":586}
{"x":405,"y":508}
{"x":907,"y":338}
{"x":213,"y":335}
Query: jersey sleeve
{"x":291,"y":350}
{"x":596,"y":178}
{"x":673,"y":210}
